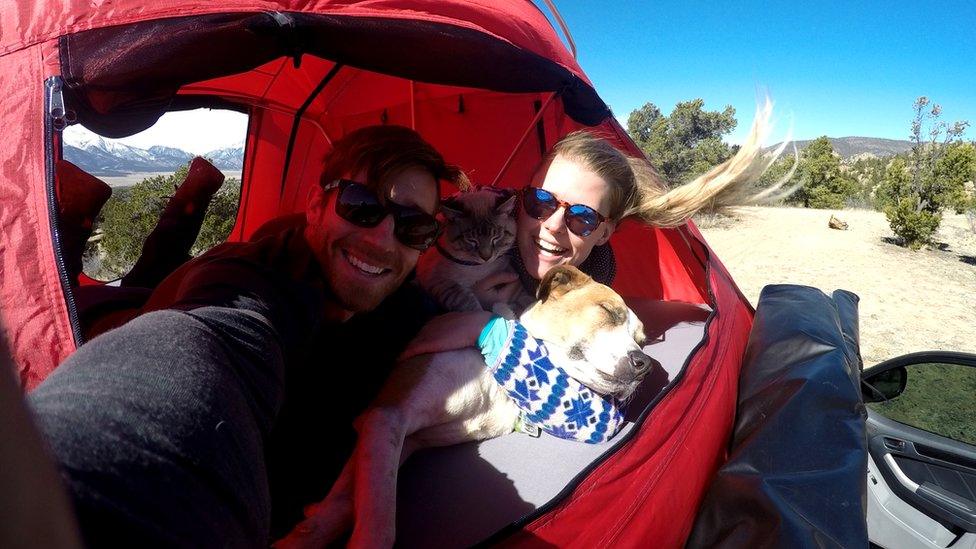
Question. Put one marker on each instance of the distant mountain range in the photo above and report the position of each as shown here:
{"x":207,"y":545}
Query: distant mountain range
{"x":102,"y":157}
{"x":849,"y":147}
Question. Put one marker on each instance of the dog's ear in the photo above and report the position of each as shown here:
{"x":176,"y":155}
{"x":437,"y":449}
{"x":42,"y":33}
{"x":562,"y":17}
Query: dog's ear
{"x":560,"y":280}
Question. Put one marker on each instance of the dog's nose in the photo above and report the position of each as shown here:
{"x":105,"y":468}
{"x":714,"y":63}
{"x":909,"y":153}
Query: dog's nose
{"x":639,"y":361}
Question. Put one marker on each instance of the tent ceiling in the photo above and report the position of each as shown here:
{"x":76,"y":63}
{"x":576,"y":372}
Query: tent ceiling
{"x":120,"y":79}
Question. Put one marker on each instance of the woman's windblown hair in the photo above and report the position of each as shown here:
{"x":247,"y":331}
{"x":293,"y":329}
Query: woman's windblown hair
{"x":638,"y":191}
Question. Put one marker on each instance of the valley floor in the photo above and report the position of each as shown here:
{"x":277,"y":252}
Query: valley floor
{"x":910,"y":301}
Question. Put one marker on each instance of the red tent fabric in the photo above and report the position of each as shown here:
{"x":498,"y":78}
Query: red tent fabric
{"x":474,"y":77}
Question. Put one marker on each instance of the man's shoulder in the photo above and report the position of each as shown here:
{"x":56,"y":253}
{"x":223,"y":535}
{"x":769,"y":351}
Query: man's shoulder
{"x":278,"y":226}
{"x":279,"y":254}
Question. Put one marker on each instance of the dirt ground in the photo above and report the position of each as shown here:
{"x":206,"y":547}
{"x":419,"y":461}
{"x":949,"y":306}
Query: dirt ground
{"x":910,"y":301}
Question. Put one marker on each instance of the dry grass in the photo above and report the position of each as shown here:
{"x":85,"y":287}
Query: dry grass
{"x":910,"y":301}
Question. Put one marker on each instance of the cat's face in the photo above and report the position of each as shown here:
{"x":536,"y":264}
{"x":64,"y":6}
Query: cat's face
{"x":480,"y":224}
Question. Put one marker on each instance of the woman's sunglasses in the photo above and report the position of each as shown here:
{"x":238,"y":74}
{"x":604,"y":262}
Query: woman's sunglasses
{"x":580,"y":219}
{"x":359,"y":205}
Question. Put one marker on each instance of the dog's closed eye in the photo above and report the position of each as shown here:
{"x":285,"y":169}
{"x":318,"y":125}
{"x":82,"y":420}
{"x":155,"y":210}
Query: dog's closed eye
{"x":617,"y":315}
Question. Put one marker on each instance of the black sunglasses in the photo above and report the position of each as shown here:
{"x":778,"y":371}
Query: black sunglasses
{"x":359,"y":205}
{"x":581,"y":219}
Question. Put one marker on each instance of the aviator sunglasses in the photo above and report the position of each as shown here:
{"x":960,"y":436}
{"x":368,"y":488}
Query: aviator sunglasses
{"x":580,"y":219}
{"x":359,"y":205}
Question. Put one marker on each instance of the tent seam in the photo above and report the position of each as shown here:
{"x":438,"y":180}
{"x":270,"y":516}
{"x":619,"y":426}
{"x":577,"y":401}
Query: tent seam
{"x":721,"y":350}
{"x":614,"y":532}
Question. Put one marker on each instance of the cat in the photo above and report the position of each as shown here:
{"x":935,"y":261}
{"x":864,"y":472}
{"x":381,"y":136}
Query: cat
{"x":478,"y":234}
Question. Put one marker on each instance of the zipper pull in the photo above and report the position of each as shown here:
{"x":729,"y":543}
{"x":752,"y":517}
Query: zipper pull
{"x":60,"y":117}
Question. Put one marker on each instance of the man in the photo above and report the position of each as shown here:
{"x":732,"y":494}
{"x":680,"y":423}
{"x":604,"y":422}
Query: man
{"x":168,"y":428}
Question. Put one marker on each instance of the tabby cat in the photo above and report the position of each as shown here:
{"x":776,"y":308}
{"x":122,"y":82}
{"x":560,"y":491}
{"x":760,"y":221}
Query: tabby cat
{"x":479,"y":231}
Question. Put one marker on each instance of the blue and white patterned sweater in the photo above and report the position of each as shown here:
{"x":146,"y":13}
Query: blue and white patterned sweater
{"x":548,"y":397}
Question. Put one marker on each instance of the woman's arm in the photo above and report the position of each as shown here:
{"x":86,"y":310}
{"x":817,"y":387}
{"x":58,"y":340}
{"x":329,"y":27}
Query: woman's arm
{"x":500,"y":287}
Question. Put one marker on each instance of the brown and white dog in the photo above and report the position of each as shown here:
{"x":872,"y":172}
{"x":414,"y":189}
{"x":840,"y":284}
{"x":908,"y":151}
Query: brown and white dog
{"x":449,"y":398}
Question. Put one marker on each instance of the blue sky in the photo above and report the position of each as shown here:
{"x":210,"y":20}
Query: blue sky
{"x":838,"y":68}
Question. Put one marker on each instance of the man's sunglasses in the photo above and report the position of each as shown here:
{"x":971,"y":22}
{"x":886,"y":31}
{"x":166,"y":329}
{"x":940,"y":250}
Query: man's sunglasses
{"x":359,"y":205}
{"x":580,"y":219}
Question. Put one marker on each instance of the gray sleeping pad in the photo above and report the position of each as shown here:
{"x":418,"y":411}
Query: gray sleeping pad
{"x":459,"y":495}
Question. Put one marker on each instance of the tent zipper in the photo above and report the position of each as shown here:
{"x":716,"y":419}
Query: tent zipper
{"x":56,"y":119}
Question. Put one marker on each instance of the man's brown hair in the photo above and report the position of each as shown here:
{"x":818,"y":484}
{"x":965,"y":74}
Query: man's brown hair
{"x":384,"y":151}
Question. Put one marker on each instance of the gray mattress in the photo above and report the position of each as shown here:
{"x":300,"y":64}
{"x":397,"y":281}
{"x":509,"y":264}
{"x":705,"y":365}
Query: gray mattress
{"x":460,"y":495}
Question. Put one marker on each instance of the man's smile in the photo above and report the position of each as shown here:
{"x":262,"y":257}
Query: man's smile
{"x":365,"y":266}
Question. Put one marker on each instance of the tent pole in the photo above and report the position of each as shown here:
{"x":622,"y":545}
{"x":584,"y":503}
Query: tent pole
{"x":525,"y":135}
{"x":299,"y":114}
{"x":413,"y":105}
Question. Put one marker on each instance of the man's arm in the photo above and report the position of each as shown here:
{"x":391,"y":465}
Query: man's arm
{"x":448,"y":332}
{"x":292,"y":305}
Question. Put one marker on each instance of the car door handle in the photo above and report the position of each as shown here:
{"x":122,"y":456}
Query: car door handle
{"x":894,"y":444}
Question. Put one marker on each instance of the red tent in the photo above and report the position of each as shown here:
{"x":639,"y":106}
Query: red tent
{"x":489,"y":83}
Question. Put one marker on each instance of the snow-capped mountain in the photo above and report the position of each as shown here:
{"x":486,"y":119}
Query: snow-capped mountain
{"x":106,"y":157}
{"x":228,"y":158}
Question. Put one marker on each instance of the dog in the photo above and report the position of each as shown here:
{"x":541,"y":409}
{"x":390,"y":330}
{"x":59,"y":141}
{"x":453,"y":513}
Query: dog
{"x":452,"y":397}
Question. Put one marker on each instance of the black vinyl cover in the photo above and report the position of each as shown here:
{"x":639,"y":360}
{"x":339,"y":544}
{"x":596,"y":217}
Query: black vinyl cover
{"x":797,"y":470}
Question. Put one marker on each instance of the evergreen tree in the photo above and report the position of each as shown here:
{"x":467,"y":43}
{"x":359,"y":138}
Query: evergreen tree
{"x":915,"y":209}
{"x":824,"y":184}
{"x":132,"y":212}
{"x":956,"y":168}
{"x":686,"y":143}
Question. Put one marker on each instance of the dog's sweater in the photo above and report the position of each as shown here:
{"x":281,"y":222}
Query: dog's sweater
{"x":548,"y":397}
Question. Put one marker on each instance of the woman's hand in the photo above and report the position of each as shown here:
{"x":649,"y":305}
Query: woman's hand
{"x":448,"y":332}
{"x":497,"y":288}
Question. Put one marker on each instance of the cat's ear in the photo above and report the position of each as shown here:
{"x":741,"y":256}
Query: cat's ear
{"x":506,"y":205}
{"x":451,"y":208}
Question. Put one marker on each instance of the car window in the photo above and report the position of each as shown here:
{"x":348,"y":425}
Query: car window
{"x":939,"y":398}
{"x":144,"y":171}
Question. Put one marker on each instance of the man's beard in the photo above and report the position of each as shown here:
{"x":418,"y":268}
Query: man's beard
{"x":358,"y":292}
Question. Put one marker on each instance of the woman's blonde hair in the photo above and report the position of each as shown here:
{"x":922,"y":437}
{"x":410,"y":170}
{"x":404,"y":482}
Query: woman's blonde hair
{"x":636,"y":190}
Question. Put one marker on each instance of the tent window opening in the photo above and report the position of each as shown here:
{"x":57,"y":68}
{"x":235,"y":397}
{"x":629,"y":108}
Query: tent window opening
{"x":140,"y":206}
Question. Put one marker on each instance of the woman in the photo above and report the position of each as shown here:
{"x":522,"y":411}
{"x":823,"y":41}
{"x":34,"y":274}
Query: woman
{"x":581,"y":192}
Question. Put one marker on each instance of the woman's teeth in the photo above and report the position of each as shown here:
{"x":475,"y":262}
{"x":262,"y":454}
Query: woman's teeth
{"x":549,"y":248}
{"x":363,"y":266}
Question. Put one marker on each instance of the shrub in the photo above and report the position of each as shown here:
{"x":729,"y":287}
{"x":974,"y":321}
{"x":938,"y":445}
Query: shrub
{"x":915,"y":203}
{"x":913,"y":226}
{"x":132,"y":212}
{"x":824,"y":184}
